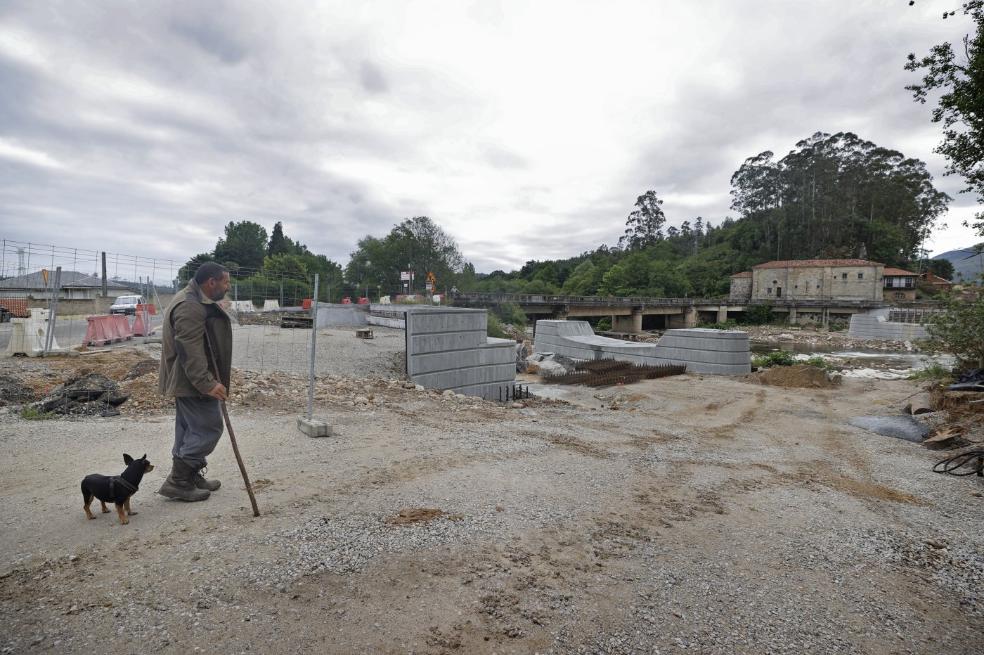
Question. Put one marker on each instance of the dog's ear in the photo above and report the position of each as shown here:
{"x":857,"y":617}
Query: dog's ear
{"x":127,"y":459}
{"x":144,"y":456}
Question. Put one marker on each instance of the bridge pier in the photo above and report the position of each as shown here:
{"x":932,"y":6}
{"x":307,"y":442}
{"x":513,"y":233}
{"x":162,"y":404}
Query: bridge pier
{"x":687,"y":319}
{"x":722,"y":314}
{"x":631,"y":323}
{"x":792,"y":314}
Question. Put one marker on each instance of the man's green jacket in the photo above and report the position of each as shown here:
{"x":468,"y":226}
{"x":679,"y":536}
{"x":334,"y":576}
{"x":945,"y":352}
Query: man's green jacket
{"x":186,"y":365}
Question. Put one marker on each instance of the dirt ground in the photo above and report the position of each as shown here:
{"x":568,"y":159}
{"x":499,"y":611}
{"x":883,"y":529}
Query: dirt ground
{"x":685,"y":514}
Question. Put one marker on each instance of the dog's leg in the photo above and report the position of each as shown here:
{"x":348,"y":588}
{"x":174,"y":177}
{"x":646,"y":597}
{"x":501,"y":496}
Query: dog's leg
{"x":104,"y":508}
{"x":120,"y":513}
{"x":88,"y":513}
{"x":126,"y":506}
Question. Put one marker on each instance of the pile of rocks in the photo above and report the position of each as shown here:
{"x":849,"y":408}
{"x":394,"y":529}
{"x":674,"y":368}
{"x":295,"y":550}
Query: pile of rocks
{"x":87,"y":395}
{"x":13,"y":392}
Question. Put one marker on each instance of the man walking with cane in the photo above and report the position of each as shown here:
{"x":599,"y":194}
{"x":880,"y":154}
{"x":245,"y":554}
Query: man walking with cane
{"x":197,"y":332}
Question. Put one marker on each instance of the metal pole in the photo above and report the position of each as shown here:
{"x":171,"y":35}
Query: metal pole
{"x":52,"y":312}
{"x":314,"y":343}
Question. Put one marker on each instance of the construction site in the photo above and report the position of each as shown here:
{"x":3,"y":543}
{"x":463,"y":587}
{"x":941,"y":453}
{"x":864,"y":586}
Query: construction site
{"x":616,"y":499}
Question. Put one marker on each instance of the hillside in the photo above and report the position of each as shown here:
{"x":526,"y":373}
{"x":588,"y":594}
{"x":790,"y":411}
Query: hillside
{"x":968,"y":263}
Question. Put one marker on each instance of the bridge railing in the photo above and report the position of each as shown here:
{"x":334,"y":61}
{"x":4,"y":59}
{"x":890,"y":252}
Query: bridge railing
{"x":548,"y":299}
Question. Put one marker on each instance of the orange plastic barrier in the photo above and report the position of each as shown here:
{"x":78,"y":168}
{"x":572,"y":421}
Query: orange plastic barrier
{"x":363,"y":301}
{"x":151,"y":309}
{"x":139,"y":329}
{"x":346,"y":300}
{"x":121,"y":327}
{"x":96,"y":332}
{"x":306,"y":303}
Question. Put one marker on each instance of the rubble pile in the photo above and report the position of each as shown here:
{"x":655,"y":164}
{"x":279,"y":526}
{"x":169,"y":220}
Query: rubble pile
{"x":14,"y":392}
{"x":798,"y":376}
{"x":92,"y":394}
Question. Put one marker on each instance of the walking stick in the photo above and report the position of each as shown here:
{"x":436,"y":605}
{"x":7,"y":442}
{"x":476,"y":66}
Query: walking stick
{"x":232,"y":435}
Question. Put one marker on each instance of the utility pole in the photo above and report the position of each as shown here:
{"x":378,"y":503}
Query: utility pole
{"x":105,"y":290}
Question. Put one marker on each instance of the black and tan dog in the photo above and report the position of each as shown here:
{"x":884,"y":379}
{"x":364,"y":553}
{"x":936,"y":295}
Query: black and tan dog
{"x":115,"y":489}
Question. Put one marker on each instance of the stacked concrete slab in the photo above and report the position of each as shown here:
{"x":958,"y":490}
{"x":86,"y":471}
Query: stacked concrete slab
{"x":722,"y":352}
{"x":448,"y":348}
{"x":338,"y":315}
{"x":876,"y":326}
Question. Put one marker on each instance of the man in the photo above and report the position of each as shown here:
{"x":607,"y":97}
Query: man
{"x":193,"y":325}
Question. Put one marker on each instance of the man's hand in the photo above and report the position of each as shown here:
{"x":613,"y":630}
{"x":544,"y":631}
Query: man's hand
{"x":219,"y":392}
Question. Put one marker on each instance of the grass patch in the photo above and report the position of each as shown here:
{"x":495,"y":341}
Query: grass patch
{"x":29,"y":413}
{"x":777,"y":358}
{"x":933,"y":372}
{"x":819,"y":362}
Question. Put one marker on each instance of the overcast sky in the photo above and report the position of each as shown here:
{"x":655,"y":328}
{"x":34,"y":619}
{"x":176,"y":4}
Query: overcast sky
{"x":525,"y":129}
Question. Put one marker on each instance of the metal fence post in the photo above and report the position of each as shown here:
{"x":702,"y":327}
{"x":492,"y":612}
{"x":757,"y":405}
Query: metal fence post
{"x":49,"y":336}
{"x":314,"y":343}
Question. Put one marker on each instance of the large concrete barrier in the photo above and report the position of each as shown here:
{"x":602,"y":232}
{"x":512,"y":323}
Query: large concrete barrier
{"x":876,"y":326}
{"x":337,"y":315}
{"x":448,"y":348}
{"x":722,"y":352}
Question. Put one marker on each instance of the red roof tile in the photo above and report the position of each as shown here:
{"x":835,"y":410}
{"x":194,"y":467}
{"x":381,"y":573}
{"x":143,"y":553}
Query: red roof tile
{"x":803,"y":263}
{"x":898,"y":272}
{"x":743,"y":274}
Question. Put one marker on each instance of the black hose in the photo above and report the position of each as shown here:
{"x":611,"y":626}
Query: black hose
{"x":951,"y":464}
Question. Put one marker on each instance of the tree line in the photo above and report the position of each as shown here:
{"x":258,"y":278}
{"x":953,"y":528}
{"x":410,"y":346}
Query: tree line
{"x":832,"y":196}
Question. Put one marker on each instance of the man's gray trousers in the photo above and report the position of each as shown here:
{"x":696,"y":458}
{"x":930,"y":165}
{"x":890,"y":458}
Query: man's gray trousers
{"x":197,"y":428}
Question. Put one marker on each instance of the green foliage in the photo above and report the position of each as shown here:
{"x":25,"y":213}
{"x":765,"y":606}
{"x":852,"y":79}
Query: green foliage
{"x":758,"y":315}
{"x":604,"y":325}
{"x":829,"y":196}
{"x":511,"y":313}
{"x":959,"y":330}
{"x":495,"y":328}
{"x":29,"y":413}
{"x":775,"y":358}
{"x":244,"y":243}
{"x":187,"y":271}
{"x":730,"y":324}
{"x":417,"y":244}
{"x":819,"y":362}
{"x":644,"y":226}
{"x":960,"y":77}
{"x":933,"y":373}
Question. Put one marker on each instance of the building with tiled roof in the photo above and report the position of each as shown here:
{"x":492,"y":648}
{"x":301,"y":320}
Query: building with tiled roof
{"x":811,"y":280}
{"x":899,"y":284}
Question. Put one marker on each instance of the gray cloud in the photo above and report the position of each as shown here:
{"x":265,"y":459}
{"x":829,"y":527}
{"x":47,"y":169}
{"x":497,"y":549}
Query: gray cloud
{"x":144,"y":128}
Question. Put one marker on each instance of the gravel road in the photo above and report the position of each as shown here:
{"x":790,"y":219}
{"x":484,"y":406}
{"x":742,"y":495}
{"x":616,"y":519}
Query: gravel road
{"x":686,"y":514}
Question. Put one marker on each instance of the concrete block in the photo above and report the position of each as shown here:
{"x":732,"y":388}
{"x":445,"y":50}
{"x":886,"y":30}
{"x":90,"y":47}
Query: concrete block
{"x":314,"y":427}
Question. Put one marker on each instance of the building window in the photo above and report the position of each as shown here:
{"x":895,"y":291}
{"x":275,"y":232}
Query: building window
{"x":899,"y":295}
{"x":843,"y":276}
{"x":860,"y":276}
{"x":769,"y":291}
{"x":818,"y":285}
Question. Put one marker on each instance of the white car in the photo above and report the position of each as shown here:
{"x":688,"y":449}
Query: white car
{"x":126,"y":305}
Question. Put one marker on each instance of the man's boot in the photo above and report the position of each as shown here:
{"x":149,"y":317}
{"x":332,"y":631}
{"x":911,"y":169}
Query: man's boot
{"x":180,"y":484}
{"x":202,"y":483}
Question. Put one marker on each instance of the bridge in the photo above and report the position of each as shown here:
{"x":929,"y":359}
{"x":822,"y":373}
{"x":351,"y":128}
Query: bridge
{"x":627,"y":313}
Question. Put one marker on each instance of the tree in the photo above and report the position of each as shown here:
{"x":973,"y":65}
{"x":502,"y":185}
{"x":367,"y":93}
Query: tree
{"x":958,"y":330}
{"x":961,"y":105}
{"x":279,"y":244}
{"x":245,"y":243}
{"x":187,"y":271}
{"x":417,"y":244}
{"x":644,"y":226}
{"x":832,"y":195}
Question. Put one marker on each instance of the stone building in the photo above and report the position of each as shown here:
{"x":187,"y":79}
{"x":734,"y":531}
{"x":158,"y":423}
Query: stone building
{"x":811,"y":279}
{"x":741,"y":287}
{"x":899,"y":284}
